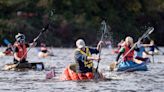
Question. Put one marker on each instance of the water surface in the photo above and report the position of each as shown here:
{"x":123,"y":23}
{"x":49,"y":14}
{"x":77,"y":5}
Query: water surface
{"x":34,"y":81}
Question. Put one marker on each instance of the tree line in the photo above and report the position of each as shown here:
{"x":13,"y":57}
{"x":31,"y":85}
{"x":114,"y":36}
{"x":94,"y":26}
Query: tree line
{"x":73,"y":19}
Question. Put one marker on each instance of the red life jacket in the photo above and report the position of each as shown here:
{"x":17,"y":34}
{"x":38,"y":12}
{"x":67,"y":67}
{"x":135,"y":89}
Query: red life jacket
{"x":130,"y":55}
{"x":22,"y":49}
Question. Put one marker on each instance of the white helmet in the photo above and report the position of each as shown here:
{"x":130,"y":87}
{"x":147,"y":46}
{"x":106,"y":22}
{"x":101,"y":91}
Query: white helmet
{"x":80,"y":43}
{"x":20,"y":36}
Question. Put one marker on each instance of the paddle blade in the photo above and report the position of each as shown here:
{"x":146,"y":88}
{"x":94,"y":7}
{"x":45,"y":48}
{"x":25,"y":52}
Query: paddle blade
{"x":6,"y":41}
{"x":45,"y":28}
{"x":112,"y":66}
{"x":151,"y":29}
{"x":96,"y":75}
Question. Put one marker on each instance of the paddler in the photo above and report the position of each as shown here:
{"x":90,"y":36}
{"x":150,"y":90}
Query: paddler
{"x":43,"y":48}
{"x":9,"y":50}
{"x":153,"y":48}
{"x":84,"y":59}
{"x":20,"y":49}
{"x":128,"y":57}
{"x":141,"y":52}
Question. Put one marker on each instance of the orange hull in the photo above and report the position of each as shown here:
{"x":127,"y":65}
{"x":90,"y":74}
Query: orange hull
{"x":70,"y":74}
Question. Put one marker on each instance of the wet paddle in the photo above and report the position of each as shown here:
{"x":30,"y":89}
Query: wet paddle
{"x":113,"y":66}
{"x":96,"y":73}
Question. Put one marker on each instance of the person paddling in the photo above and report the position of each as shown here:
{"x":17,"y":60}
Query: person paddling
{"x":119,"y":45}
{"x":153,"y":48}
{"x":128,"y":57}
{"x":140,"y":51}
{"x":9,"y":50}
{"x":84,"y":59}
{"x":20,"y":49}
{"x":43,"y":48}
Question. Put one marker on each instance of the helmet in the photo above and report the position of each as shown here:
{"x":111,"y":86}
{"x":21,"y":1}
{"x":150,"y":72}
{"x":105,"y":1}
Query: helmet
{"x":80,"y":43}
{"x":20,"y":37}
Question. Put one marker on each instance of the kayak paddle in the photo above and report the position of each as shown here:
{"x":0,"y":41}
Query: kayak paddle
{"x":96,"y":74}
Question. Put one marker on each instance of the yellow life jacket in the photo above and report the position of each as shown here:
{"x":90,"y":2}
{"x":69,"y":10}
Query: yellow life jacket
{"x":87,"y":64}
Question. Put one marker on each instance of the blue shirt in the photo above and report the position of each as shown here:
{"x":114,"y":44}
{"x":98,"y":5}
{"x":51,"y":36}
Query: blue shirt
{"x":140,"y":52}
{"x":80,"y":58}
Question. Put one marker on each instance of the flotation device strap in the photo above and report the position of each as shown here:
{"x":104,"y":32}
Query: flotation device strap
{"x":88,"y":64}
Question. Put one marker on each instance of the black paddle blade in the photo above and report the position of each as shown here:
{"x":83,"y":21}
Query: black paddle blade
{"x":45,"y":28}
{"x":96,"y":75}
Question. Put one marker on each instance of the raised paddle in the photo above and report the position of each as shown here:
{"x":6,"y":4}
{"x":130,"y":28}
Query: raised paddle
{"x":35,"y":39}
{"x":148,"y":32}
{"x":96,"y":73}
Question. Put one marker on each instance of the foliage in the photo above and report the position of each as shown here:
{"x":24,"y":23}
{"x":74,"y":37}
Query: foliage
{"x":75,"y":19}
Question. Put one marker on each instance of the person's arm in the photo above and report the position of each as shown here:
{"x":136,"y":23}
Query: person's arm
{"x":33,"y":44}
{"x":80,"y":57}
{"x":99,"y":45}
{"x":15,"y":54}
{"x":122,"y":50}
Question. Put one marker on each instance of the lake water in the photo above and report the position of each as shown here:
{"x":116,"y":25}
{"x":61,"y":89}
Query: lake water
{"x":34,"y":81}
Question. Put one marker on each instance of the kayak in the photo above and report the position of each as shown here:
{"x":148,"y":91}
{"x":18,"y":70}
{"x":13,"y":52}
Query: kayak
{"x":70,"y":73}
{"x":24,"y":66}
{"x":44,"y":55}
{"x":130,"y":66}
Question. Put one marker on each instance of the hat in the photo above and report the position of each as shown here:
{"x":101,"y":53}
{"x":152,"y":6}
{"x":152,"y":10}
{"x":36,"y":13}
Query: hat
{"x":80,"y":43}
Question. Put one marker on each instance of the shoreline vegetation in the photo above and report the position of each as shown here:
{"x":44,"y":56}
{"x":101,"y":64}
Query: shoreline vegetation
{"x":73,"y":19}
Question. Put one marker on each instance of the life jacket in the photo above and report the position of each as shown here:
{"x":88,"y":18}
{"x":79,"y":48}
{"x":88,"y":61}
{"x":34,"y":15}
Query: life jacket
{"x":130,"y":55}
{"x":86,"y":65}
{"x":22,"y":49}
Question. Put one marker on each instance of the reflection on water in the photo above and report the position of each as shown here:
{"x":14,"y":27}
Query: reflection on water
{"x":34,"y":81}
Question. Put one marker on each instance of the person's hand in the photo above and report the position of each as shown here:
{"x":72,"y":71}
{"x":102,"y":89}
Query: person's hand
{"x":115,"y":62}
{"x":97,"y":58}
{"x":33,"y":44}
{"x":19,"y":59}
{"x":138,"y":45}
{"x":100,"y":42}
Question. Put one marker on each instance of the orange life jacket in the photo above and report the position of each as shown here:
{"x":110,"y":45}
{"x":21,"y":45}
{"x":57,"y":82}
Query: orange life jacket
{"x":130,"y":55}
{"x":21,"y":50}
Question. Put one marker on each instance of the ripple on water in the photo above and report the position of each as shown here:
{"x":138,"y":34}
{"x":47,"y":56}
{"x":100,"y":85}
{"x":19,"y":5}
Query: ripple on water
{"x":34,"y":81}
